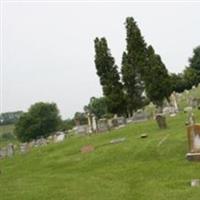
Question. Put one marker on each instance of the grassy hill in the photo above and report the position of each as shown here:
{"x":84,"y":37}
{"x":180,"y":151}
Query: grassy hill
{"x":140,"y":169}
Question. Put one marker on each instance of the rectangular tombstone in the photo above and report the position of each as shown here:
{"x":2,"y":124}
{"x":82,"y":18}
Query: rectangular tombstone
{"x":121,"y":121}
{"x":82,"y":129}
{"x":140,"y":116}
{"x":103,"y":125}
{"x":193,"y":133}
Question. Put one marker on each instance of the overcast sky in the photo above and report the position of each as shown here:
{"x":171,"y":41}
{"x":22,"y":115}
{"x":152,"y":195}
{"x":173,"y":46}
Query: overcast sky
{"x":48,"y":50}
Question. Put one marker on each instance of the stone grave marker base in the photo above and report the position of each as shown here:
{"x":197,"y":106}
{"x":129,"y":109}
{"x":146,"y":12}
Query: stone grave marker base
{"x":193,"y":156}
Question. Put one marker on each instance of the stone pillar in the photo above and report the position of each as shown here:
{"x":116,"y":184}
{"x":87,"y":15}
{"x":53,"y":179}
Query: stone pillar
{"x":161,"y":120}
{"x":10,"y":150}
{"x":89,"y":123}
{"x":94,"y":123}
{"x":174,"y":100}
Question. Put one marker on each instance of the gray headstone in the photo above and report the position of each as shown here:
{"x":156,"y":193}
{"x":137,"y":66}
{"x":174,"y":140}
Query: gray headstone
{"x":10,"y":150}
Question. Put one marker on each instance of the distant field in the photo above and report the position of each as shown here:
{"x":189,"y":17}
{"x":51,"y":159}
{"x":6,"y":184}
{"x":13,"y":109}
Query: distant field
{"x":6,"y":129}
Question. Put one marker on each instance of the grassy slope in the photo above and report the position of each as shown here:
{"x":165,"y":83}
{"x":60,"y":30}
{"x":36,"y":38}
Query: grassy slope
{"x":135,"y":169}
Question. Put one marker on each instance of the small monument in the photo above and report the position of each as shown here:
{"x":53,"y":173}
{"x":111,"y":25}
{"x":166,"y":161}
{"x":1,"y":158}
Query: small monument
{"x":94,"y":123}
{"x":161,"y":120}
{"x":193,"y":133}
{"x":103,"y":125}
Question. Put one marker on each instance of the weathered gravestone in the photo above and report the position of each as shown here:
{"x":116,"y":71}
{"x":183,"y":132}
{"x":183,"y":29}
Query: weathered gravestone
{"x":23,"y":148}
{"x":195,"y":102}
{"x":10,"y":150}
{"x":194,"y":142}
{"x":59,"y":137}
{"x":195,"y":183}
{"x":193,"y":133}
{"x":3,"y":152}
{"x":121,"y":121}
{"x":82,"y":129}
{"x":161,"y":120}
{"x":103,"y":125}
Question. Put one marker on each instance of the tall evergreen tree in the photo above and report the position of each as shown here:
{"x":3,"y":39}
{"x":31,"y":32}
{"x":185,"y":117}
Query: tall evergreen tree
{"x":156,"y":78}
{"x":193,"y":71}
{"x":133,"y":63}
{"x":109,"y":77}
{"x":195,"y":60}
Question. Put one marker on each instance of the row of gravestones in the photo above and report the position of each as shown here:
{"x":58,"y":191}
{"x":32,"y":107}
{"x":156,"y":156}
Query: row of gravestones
{"x":11,"y":149}
{"x":114,"y":123}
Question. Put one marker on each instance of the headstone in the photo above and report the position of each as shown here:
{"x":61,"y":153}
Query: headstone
{"x":193,"y":133}
{"x":23,"y":148}
{"x":59,"y":137}
{"x":140,"y":116}
{"x":118,"y":140}
{"x":94,"y":123}
{"x":187,"y":109}
{"x":169,"y":110}
{"x":87,"y":149}
{"x":3,"y":152}
{"x":82,"y":129}
{"x":161,"y":120}
{"x":89,"y":123}
{"x":174,"y":101}
{"x":121,"y":121}
{"x":191,"y":118}
{"x":103,"y":125}
{"x":143,"y":136}
{"x":195,"y":183}
{"x":31,"y":144}
{"x":195,"y":102}
{"x":10,"y":150}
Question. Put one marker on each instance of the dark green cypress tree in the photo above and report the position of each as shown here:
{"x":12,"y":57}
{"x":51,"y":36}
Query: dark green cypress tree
{"x":133,"y":64}
{"x":109,"y":77}
{"x":156,"y":78}
{"x":195,"y":60}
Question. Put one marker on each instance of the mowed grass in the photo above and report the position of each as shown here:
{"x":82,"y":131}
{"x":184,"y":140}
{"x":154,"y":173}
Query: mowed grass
{"x":137,"y":169}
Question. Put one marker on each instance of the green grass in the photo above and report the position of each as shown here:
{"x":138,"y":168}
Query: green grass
{"x":137,"y":169}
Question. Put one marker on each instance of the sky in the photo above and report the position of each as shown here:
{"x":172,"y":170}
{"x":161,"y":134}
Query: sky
{"x":47,"y":48}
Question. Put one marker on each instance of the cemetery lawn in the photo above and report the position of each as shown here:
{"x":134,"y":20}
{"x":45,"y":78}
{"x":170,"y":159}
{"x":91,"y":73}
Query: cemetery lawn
{"x":153,"y":168}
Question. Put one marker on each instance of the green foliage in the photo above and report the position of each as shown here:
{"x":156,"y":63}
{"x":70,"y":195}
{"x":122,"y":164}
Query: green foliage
{"x":195,"y":60}
{"x":41,"y":120}
{"x":80,"y":118}
{"x":67,"y":124}
{"x":133,"y":62}
{"x":191,"y":77}
{"x":97,"y":106}
{"x":156,"y":78}
{"x":178,"y":82}
{"x":109,"y":77}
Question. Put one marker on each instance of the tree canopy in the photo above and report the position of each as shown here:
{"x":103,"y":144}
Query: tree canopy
{"x":109,"y":77}
{"x":133,"y":63}
{"x":40,"y":121}
{"x":97,"y":106}
{"x":156,"y":78}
